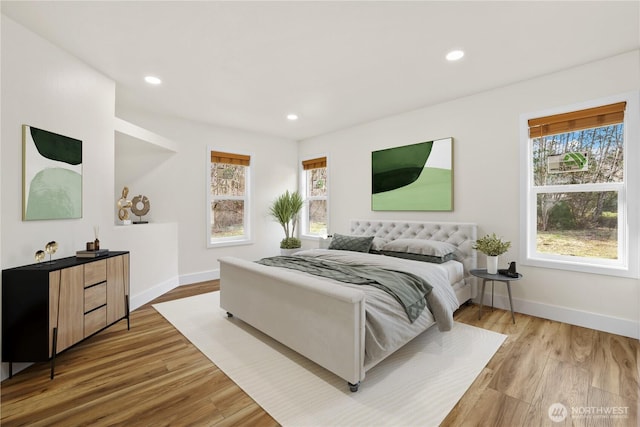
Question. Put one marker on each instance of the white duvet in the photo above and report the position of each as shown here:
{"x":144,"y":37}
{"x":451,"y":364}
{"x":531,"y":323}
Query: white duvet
{"x":387,"y":326}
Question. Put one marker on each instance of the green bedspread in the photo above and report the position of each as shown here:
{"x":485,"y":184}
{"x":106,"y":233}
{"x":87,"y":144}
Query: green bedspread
{"x":408,"y":289}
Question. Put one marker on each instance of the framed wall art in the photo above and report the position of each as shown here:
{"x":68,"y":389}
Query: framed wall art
{"x":51,"y":175}
{"x":416,"y":177}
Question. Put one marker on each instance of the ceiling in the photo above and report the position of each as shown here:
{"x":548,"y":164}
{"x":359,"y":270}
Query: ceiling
{"x":336,"y":64}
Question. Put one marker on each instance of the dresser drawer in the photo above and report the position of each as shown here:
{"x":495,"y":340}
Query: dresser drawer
{"x":95,"y":320}
{"x":95,"y":272}
{"x":95,"y":296}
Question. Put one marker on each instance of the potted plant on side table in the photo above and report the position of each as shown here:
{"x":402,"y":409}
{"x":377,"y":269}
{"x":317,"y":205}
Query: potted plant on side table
{"x":285,"y":210}
{"x":492,"y":246}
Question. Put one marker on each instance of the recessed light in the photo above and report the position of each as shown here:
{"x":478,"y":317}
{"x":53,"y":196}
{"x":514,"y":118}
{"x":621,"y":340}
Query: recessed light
{"x":292,"y":117}
{"x":152,"y":80}
{"x":454,"y":55}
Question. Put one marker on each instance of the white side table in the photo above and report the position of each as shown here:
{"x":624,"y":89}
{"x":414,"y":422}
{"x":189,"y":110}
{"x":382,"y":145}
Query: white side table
{"x":482,"y":274}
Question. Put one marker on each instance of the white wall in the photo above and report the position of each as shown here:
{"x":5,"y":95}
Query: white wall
{"x":485,"y":128}
{"x":46,"y":88}
{"x":137,"y":153}
{"x":184,"y":177}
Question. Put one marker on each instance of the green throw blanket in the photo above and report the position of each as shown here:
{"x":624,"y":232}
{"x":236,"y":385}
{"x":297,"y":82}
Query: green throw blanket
{"x":408,"y":289}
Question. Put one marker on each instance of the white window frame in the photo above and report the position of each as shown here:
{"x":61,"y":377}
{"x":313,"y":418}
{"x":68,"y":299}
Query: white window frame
{"x":245,"y":239}
{"x":628,"y":193}
{"x":304,"y":220}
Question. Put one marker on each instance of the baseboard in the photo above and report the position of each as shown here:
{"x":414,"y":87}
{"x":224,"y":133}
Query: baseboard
{"x":599,"y":322}
{"x":150,"y":294}
{"x":203,"y":276}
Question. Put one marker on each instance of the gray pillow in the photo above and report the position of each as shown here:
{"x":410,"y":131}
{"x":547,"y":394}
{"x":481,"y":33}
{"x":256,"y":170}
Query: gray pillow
{"x":351,"y":243}
{"x":417,"y":257}
{"x":420,"y":250}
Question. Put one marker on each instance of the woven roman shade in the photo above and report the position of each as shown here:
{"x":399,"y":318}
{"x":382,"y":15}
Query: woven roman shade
{"x":577,"y":120}
{"x":230,"y":158}
{"x":320,"y":162}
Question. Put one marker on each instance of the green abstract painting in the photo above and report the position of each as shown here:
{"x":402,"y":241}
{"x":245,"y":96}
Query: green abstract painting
{"x":51,"y":175}
{"x":417,"y":177}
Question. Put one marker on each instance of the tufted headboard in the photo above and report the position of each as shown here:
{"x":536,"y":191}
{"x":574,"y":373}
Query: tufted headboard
{"x":462,"y":235}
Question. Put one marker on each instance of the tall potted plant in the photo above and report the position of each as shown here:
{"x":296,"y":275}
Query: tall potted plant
{"x":492,"y":246}
{"x":286,"y":210}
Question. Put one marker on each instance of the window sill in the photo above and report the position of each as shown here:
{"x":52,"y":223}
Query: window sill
{"x":311,"y":237}
{"x":582,"y":267}
{"x":223,"y":244}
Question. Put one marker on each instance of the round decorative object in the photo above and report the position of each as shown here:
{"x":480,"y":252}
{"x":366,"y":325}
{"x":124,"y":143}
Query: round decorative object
{"x":51,"y":247}
{"x":40,"y":255}
{"x":140,"y":205}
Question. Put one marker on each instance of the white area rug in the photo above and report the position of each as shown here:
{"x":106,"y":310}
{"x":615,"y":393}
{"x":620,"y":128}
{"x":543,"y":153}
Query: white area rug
{"x":416,"y":386}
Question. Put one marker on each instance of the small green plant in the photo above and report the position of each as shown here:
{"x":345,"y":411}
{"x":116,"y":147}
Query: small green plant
{"x":285,"y":210}
{"x":491,"y":245}
{"x":290,"y":243}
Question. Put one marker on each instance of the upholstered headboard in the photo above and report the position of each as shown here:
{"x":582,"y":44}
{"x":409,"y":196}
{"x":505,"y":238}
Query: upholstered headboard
{"x":462,"y":235}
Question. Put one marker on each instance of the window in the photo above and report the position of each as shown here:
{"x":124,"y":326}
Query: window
{"x":577,"y":190}
{"x":314,"y":183}
{"x":228,"y":198}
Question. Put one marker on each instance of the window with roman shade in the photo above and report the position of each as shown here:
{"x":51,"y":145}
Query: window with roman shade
{"x":228,"y":198}
{"x":314,"y":186}
{"x":577,"y":189}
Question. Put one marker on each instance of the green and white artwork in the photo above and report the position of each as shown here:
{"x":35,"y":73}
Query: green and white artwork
{"x":52,"y":175}
{"x":417,"y":177}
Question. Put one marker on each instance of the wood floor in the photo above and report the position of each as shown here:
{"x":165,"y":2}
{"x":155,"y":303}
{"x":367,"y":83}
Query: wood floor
{"x":152,"y":376}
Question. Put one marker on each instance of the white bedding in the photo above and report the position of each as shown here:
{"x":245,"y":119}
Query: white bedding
{"x":387,"y":325}
{"x":455,"y":271}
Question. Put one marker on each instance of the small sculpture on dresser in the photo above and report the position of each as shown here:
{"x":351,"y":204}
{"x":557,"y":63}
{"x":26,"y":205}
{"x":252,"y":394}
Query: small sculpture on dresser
{"x":140,"y":206}
{"x":39,"y":256}
{"x":51,"y":249}
{"x":123,"y":205}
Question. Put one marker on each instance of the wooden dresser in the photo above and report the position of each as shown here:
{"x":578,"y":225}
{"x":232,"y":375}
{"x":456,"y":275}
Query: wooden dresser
{"x":50,"y":306}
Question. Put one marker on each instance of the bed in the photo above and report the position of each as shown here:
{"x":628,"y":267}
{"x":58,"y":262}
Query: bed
{"x":348,"y":328}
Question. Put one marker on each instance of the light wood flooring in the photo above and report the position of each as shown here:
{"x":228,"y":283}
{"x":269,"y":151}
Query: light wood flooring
{"x":153,"y":376}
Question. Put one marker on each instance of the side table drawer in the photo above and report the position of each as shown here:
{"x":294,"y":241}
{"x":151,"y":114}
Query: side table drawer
{"x":95,"y":296}
{"x":95,"y":272}
{"x":95,"y":320}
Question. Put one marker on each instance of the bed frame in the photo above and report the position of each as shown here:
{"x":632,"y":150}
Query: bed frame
{"x":325,"y":322}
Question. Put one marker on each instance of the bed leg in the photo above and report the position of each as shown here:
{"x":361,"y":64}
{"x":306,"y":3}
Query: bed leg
{"x":229,"y":314}
{"x":354,"y":387}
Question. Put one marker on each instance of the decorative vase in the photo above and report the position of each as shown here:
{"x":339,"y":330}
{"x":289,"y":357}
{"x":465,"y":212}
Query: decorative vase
{"x":492,"y":264}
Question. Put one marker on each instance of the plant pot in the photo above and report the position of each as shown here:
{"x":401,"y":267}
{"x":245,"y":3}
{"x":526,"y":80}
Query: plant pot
{"x":492,"y":264}
{"x":288,"y":251}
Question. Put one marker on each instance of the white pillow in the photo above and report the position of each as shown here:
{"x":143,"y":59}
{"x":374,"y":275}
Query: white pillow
{"x":378,"y":243}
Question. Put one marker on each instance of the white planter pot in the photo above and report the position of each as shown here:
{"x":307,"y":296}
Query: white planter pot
{"x":492,"y":264}
{"x":289,"y":251}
